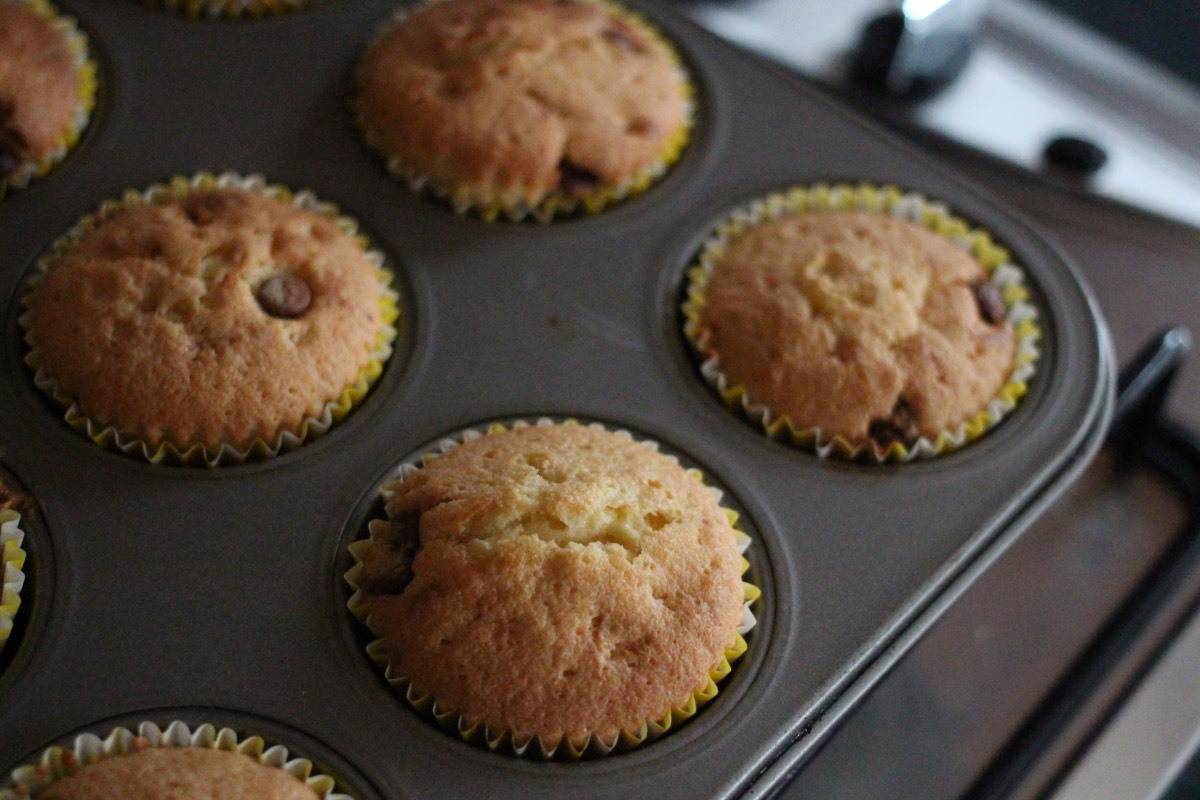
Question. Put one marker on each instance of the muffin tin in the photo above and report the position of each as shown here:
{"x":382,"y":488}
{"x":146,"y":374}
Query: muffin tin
{"x":216,"y":595}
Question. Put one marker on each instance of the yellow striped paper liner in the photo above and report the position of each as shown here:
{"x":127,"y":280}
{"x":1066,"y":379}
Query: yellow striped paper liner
{"x":194,"y":454}
{"x":567,"y":748}
{"x":514,"y":204}
{"x":12,"y":562}
{"x":996,"y":261}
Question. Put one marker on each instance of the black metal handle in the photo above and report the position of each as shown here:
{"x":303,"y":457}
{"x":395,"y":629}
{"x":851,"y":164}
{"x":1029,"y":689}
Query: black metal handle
{"x":1144,"y":385}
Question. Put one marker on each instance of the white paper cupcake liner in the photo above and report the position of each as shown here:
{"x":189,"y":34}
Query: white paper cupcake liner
{"x":88,"y":748}
{"x":12,"y":556}
{"x":86,"y":70}
{"x":534,"y":745}
{"x":491,"y":205}
{"x":189,"y":453}
{"x":1003,"y":273}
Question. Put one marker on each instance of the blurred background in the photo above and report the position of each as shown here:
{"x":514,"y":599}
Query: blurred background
{"x":1009,"y":77}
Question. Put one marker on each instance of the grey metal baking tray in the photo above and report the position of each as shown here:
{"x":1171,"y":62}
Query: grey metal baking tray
{"x":176,"y":591}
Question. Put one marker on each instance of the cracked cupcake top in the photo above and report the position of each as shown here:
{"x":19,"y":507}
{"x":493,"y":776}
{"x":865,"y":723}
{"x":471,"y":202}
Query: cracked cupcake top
{"x":218,"y":317}
{"x":555,"y":581}
{"x":39,"y":86}
{"x":177,"y":773}
{"x":858,"y":323}
{"x":521,"y":99}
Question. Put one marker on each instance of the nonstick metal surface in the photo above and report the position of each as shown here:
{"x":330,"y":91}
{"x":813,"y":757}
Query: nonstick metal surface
{"x":176,"y":588}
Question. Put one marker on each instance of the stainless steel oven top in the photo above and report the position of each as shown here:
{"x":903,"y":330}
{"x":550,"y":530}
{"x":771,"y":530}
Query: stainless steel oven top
{"x":1033,"y":75}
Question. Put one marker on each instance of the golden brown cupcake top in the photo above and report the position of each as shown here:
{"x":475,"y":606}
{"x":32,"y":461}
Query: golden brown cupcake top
{"x":177,"y":773}
{"x":567,"y":580}
{"x":216,"y":318}
{"x":39,"y":86}
{"x":858,"y":323}
{"x":521,"y":98}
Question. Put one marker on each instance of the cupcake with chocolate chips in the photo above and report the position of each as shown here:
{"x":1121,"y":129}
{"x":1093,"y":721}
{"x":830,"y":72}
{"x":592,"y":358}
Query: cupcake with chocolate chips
{"x":524,"y":106}
{"x":866,"y":323}
{"x":210,"y":320}
{"x":177,"y":763}
{"x":47,"y":88}
{"x":554,"y":589}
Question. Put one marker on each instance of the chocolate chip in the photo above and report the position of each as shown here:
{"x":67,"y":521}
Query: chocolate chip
{"x":204,"y":208}
{"x":14,"y":147}
{"x":640,"y":126}
{"x":12,"y":499}
{"x":901,"y":426}
{"x":285,"y":296}
{"x":405,"y":542}
{"x":9,"y":161}
{"x":990,"y":302}
{"x":573,"y":178}
{"x":622,"y":40}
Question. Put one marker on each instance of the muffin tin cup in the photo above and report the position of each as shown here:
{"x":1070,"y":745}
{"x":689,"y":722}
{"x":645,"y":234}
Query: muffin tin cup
{"x":85,"y":68}
{"x":504,"y":740}
{"x":55,"y":763}
{"x":492,"y":205}
{"x":1005,"y":275}
{"x":285,"y":439}
{"x":12,"y":559}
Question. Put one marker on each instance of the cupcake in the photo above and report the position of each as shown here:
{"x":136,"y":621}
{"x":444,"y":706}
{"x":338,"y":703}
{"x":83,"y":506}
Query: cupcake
{"x":229,"y":8}
{"x":47,"y":88}
{"x":524,"y":106}
{"x":863,"y":321}
{"x":217,"y":319}
{"x":175,"y":764}
{"x":554,"y":583}
{"x":12,"y":557}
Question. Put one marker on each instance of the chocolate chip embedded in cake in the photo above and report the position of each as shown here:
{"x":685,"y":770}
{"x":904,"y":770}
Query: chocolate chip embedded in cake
{"x":285,"y":296}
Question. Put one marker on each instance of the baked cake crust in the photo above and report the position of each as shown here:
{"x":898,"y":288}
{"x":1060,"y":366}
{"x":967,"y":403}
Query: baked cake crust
{"x":155,"y":323}
{"x":177,"y":773}
{"x":39,"y":83}
{"x":531,"y":97}
{"x":569,"y":581}
{"x":858,"y":323}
